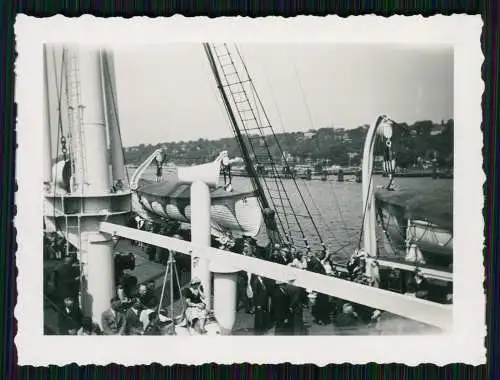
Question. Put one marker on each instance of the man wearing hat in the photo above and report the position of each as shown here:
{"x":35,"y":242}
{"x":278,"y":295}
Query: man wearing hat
{"x":281,"y":309}
{"x":261,"y":300}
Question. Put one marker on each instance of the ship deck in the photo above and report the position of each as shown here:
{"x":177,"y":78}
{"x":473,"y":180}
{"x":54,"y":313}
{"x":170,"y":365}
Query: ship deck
{"x":146,"y":270}
{"x":390,"y":324}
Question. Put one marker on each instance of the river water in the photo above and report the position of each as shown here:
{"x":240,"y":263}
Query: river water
{"x":336,"y":207}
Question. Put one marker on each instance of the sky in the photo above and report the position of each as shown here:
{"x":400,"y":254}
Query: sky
{"x":168,"y":93}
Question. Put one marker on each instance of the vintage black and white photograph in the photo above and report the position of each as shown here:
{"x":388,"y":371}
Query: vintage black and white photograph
{"x":228,"y":188}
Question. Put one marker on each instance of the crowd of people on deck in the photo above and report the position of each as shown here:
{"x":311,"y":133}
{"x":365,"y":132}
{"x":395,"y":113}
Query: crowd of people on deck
{"x":134,"y":310}
{"x":281,"y":305}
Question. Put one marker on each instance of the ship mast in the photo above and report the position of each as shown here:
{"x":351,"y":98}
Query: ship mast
{"x":241,"y":142}
{"x":77,"y":210}
{"x":285,"y":221}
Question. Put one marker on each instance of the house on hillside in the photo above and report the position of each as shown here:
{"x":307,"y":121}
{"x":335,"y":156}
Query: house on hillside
{"x":342,"y":136}
{"x":309,"y":135}
{"x":437,"y":130}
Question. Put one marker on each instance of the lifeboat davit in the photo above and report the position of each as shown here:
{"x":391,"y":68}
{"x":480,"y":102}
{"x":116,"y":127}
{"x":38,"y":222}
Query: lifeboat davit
{"x":421,"y":218}
{"x":232,"y":211}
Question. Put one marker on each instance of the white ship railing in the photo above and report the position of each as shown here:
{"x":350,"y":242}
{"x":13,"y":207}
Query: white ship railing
{"x":420,"y":310}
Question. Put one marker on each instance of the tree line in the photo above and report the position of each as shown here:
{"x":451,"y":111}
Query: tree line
{"x":412,"y":144}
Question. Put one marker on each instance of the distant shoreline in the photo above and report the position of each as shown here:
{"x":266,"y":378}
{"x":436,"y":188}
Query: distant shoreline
{"x":412,"y":173}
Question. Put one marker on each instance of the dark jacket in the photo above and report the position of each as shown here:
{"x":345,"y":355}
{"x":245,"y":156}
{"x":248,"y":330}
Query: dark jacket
{"x":149,"y":299}
{"x":281,"y":304}
{"x":321,"y":308}
{"x":296,"y":320}
{"x":133,"y":325}
{"x":65,"y":281}
{"x":261,"y":300}
{"x":70,"y":320}
{"x":314,"y":265}
{"x":281,"y":310}
{"x":260,"y":293}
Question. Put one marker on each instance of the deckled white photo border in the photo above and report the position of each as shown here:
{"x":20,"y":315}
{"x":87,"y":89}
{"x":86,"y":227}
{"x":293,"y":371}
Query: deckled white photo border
{"x":465,"y":343}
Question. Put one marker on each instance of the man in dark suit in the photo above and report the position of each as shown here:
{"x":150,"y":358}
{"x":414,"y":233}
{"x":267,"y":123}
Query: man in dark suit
{"x":113,"y":320}
{"x":321,"y":307}
{"x":133,"y":324}
{"x":261,"y":300}
{"x":296,"y":320}
{"x":281,"y":309}
{"x":66,"y":280}
{"x":70,"y":318}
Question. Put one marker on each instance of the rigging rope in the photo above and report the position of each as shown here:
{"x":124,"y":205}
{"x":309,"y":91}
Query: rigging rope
{"x":60,"y":132}
{"x":288,"y":169}
{"x":318,"y":147}
{"x":280,"y":120}
{"x":311,"y":123}
{"x":365,"y":209}
{"x":276,"y":178}
{"x":80,"y":111}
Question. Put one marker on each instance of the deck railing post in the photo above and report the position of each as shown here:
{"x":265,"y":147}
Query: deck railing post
{"x":200,"y":234}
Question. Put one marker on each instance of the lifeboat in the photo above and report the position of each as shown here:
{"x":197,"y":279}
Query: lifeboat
{"x":233,"y":211}
{"x":419,"y":218}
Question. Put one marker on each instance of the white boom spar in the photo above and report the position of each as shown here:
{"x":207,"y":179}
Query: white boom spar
{"x":112,"y":119}
{"x":47,"y":148}
{"x":382,"y":125}
{"x":413,"y":308}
